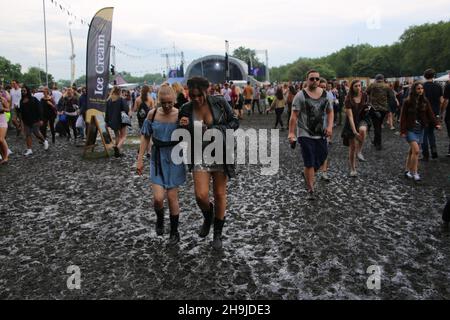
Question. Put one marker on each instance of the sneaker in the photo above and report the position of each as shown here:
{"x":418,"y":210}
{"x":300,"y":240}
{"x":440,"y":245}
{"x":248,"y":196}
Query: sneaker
{"x":10,"y":152}
{"x":361,"y":157}
{"x":353,"y":174}
{"x":310,"y":196}
{"x":28,"y":153}
{"x":326,"y":177}
{"x":417,"y":177}
{"x":45,"y":145}
{"x":409,"y":175}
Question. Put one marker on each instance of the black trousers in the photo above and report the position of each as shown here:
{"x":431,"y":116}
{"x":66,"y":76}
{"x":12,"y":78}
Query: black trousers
{"x":377,"y":124}
{"x":71,"y":123}
{"x":256,"y":102}
{"x":48,"y":123}
{"x":279,"y":113}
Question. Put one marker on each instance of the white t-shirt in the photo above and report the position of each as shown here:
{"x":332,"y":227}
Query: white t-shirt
{"x":227,"y":94}
{"x":16,"y":95}
{"x":39,"y":95}
{"x":57,"y":95}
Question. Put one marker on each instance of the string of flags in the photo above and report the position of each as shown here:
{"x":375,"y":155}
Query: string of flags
{"x":59,"y":5}
{"x":143,"y":56}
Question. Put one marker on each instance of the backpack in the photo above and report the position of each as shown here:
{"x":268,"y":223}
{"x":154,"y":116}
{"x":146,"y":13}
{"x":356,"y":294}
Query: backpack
{"x":143,"y":111}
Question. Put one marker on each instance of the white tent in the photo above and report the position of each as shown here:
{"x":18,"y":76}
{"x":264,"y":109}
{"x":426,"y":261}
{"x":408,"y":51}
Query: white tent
{"x":443,"y":78}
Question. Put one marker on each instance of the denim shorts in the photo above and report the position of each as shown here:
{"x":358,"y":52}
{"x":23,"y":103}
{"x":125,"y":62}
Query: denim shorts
{"x":414,"y":136}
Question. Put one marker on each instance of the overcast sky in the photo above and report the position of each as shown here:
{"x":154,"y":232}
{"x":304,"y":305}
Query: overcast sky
{"x":289,"y":29}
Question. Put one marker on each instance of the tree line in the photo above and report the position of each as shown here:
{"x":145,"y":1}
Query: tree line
{"x":418,"y":48}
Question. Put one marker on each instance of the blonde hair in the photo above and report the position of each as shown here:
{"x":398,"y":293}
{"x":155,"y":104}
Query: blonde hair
{"x":115,"y":94}
{"x":177,"y":87}
{"x":166,"y":89}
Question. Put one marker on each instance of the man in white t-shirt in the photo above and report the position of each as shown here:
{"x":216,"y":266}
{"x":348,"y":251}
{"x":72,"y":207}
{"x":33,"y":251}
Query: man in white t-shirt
{"x":56,"y":94}
{"x":16,"y":96}
{"x":226,"y":93}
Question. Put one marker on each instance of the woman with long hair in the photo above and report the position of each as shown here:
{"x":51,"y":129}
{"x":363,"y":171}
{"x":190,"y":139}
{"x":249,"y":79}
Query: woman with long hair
{"x":213,"y":112}
{"x":357,"y":124}
{"x":49,"y":113}
{"x":69,"y":107}
{"x":278,"y":104}
{"x":181,"y":98}
{"x":4,"y":108}
{"x":115,"y":105}
{"x":31,"y":115}
{"x":290,"y":99}
{"x":417,"y":115}
{"x":144,"y":103}
{"x":166,"y":177}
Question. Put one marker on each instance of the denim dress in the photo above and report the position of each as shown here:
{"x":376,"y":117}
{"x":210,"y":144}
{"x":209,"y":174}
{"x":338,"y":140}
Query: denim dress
{"x":163,"y":171}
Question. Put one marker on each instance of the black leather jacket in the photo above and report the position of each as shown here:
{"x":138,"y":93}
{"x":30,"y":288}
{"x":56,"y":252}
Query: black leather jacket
{"x":223,"y":119}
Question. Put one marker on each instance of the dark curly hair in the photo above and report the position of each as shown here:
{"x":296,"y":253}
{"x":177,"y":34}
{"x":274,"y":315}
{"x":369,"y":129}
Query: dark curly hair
{"x":198,"y":83}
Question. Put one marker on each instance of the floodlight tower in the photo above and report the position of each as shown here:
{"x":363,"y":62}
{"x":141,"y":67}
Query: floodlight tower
{"x":72,"y":58}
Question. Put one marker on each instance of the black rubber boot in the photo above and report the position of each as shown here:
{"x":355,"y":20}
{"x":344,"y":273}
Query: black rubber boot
{"x":159,"y":221}
{"x":207,"y":222}
{"x":174,"y":234}
{"x":218,"y":227}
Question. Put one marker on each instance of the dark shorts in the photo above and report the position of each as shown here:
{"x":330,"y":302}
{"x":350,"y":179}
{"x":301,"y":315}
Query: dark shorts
{"x":33,"y":129}
{"x":314,"y":152}
{"x":246,"y":102}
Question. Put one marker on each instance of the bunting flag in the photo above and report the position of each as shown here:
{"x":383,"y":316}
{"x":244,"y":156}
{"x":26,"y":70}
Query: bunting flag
{"x":63,"y":9}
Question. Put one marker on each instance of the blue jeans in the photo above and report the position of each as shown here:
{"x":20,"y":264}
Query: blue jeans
{"x":429,"y":140}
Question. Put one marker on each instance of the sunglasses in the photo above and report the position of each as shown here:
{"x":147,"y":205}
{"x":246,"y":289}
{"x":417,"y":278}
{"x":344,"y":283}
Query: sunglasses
{"x":314,"y":79}
{"x":193,"y":96}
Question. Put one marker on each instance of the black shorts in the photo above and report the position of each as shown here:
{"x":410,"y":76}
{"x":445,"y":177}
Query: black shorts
{"x":247,"y":101}
{"x":314,"y":152}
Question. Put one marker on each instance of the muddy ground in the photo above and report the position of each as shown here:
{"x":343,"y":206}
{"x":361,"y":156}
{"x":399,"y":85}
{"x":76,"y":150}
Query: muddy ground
{"x":58,"y":210}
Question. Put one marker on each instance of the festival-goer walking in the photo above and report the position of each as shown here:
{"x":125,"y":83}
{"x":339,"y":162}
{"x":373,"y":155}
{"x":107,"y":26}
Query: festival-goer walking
{"x":115,"y":105}
{"x":378,"y":94}
{"x":256,"y":99}
{"x":144,"y":103}
{"x":417,"y":116}
{"x":69,"y":108}
{"x":181,"y":98}
{"x":434,"y":94}
{"x":290,"y":99}
{"x":237,"y":101}
{"x":279,"y":104}
{"x":263,"y":99}
{"x":226,"y":93}
{"x":356,"y":125}
{"x":83,"y":110}
{"x":49,"y":113}
{"x":4,"y":108}
{"x":248,"y":97}
{"x":214,"y":113}
{"x":16,"y":95}
{"x":56,"y":94}
{"x":393,"y":104}
{"x":165,"y":175}
{"x":31,"y":115}
{"x":308,"y":112}
{"x":323,"y":171}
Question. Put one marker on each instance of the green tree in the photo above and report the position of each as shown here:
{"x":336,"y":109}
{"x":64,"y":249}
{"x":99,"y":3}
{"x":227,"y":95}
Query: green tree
{"x":36,"y":77}
{"x":10,"y":71}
